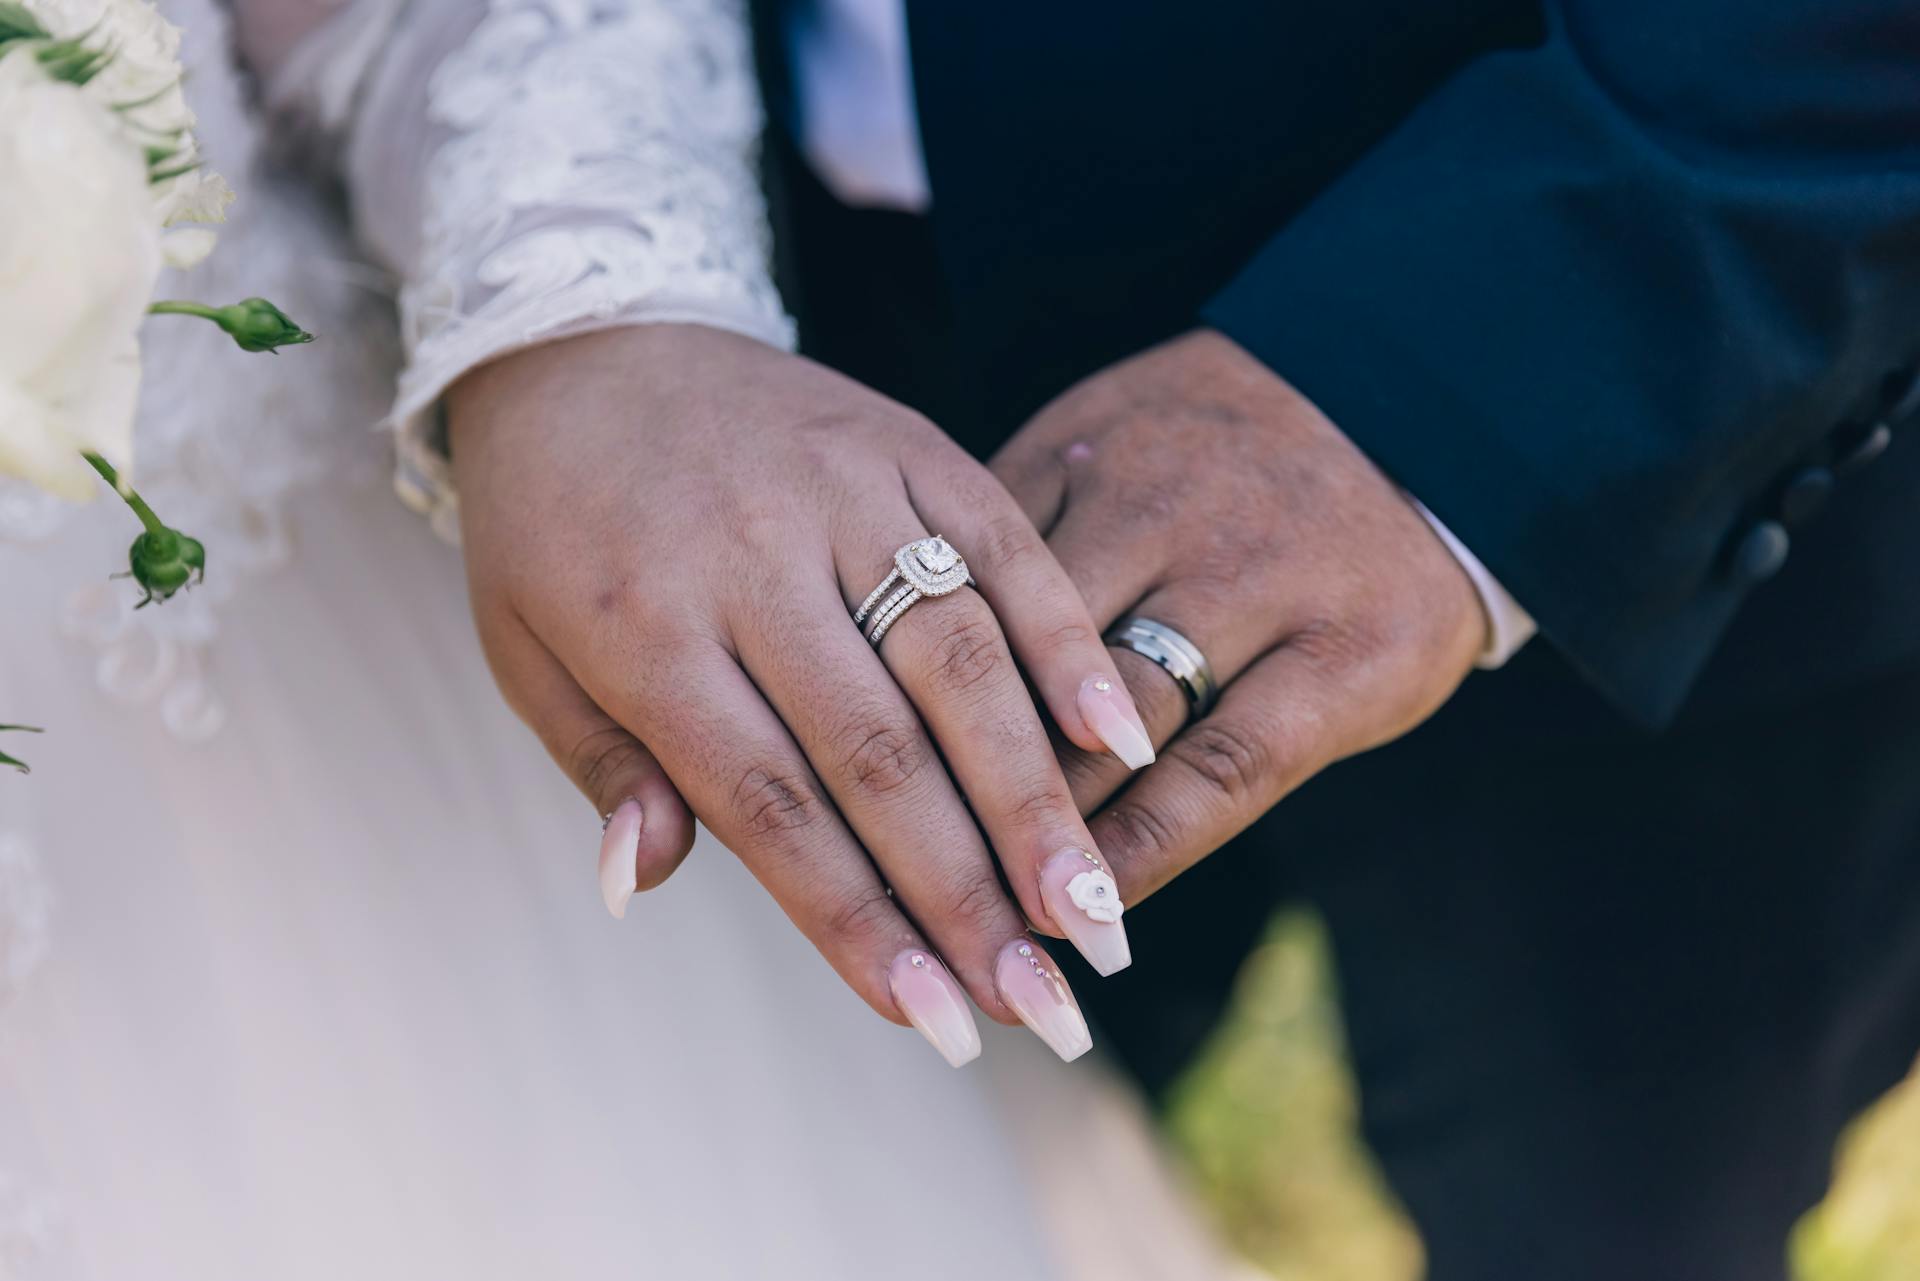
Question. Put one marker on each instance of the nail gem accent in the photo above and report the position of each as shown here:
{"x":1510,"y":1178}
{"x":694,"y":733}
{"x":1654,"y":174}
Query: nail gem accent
{"x":1030,"y":985}
{"x":1084,"y":901}
{"x":1110,"y":714}
{"x":619,"y":852}
{"x":934,"y":1004}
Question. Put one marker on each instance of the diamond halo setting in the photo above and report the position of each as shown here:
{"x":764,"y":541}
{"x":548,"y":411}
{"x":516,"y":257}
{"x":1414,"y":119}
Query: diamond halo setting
{"x":925,"y":567}
{"x":932,"y":566}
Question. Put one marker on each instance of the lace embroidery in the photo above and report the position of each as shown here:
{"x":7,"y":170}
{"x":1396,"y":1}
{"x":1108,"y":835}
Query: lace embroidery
{"x":599,"y":169}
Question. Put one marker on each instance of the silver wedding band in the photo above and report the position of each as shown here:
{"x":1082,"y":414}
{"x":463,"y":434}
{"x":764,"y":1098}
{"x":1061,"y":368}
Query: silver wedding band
{"x":924,"y":567}
{"x":1179,"y":657}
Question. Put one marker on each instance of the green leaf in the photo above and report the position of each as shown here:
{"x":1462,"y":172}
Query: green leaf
{"x":162,"y":175}
{"x":151,"y":98}
{"x":72,"y":61}
{"x":15,"y":761}
{"x":17,"y":24}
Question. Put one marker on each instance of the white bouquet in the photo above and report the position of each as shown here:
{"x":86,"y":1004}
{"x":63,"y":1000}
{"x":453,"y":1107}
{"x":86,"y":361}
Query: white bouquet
{"x":101,"y":184}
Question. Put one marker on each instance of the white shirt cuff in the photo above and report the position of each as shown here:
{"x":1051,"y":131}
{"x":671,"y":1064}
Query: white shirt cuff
{"x":1508,"y":625}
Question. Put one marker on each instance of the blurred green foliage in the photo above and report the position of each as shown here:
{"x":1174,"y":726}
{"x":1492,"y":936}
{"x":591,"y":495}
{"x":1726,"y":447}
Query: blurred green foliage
{"x":1267,"y":1119}
{"x":1868,"y":1228}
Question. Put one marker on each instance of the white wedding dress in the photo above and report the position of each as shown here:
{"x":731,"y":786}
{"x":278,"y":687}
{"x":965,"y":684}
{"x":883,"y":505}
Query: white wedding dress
{"x":304,"y":974}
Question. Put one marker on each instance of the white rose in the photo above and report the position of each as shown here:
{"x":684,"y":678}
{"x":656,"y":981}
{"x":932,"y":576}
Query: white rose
{"x":145,"y":70}
{"x":1096,"y":894}
{"x":145,"y":67}
{"x":79,"y":253}
{"x":186,"y":247}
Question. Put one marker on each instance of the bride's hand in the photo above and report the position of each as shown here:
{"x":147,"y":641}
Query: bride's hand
{"x":666,"y":527}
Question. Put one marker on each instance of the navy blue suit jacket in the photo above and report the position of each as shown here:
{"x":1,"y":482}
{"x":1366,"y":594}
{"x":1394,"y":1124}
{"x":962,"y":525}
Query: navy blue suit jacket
{"x":1626,"y":291}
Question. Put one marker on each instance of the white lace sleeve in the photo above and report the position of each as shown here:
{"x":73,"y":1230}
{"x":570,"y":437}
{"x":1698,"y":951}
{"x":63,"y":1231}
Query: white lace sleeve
{"x":537,"y":168}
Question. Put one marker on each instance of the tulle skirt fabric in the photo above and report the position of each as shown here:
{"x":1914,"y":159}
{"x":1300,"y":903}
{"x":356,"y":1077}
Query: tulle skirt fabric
{"x":332,"y":994}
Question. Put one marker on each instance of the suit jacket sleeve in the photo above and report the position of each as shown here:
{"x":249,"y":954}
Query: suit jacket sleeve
{"x":1594,"y":301}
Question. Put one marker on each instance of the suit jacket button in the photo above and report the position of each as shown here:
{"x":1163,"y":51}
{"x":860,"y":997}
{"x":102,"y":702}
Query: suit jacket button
{"x":1805,"y":495}
{"x":1761,"y":553}
{"x":1861,"y":446}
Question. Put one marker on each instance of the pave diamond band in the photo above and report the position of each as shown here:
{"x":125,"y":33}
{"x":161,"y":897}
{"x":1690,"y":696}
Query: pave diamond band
{"x":1179,"y":657}
{"x":924,"y":567}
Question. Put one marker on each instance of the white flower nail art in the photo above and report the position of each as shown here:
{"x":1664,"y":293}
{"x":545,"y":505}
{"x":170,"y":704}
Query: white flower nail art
{"x":1096,"y":894}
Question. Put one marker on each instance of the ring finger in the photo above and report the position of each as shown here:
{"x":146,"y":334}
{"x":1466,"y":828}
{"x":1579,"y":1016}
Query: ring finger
{"x":949,"y":655}
{"x":1231,"y":638}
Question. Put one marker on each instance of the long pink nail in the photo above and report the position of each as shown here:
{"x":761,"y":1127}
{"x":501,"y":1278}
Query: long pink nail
{"x":1110,"y":713}
{"x":619,"y":857}
{"x":933,"y":1003}
{"x":1030,"y":983}
{"x":1084,"y":902}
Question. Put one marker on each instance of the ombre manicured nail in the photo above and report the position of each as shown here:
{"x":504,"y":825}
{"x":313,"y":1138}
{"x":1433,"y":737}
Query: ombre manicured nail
{"x":1109,"y":712}
{"x":1030,"y":983}
{"x":1085,"y":903}
{"x":619,"y":855}
{"x":934,"y":1004}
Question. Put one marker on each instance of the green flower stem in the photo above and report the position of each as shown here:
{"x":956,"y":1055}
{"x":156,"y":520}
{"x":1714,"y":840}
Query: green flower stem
{"x":161,"y":560}
{"x":176,"y":308}
{"x":152,"y":523}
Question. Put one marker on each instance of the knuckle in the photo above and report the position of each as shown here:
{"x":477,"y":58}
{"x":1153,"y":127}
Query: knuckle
{"x":1040,"y":808}
{"x":1335,"y":648}
{"x":1004,"y":540}
{"x":979,"y":907}
{"x":1233,"y":763}
{"x":861,"y":914}
{"x":967,"y":651}
{"x":1087,"y":770}
{"x":885,"y":758}
{"x":601,"y":759}
{"x":1067,"y":636}
{"x":1141,"y":831}
{"x":772,"y":800}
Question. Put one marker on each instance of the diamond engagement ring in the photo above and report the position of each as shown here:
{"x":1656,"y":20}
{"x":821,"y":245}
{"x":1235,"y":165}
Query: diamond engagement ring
{"x":924,"y":567}
{"x":1179,"y":657}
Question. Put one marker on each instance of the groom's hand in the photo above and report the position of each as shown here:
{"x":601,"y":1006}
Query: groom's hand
{"x":665,"y":529}
{"x":1193,"y":486}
